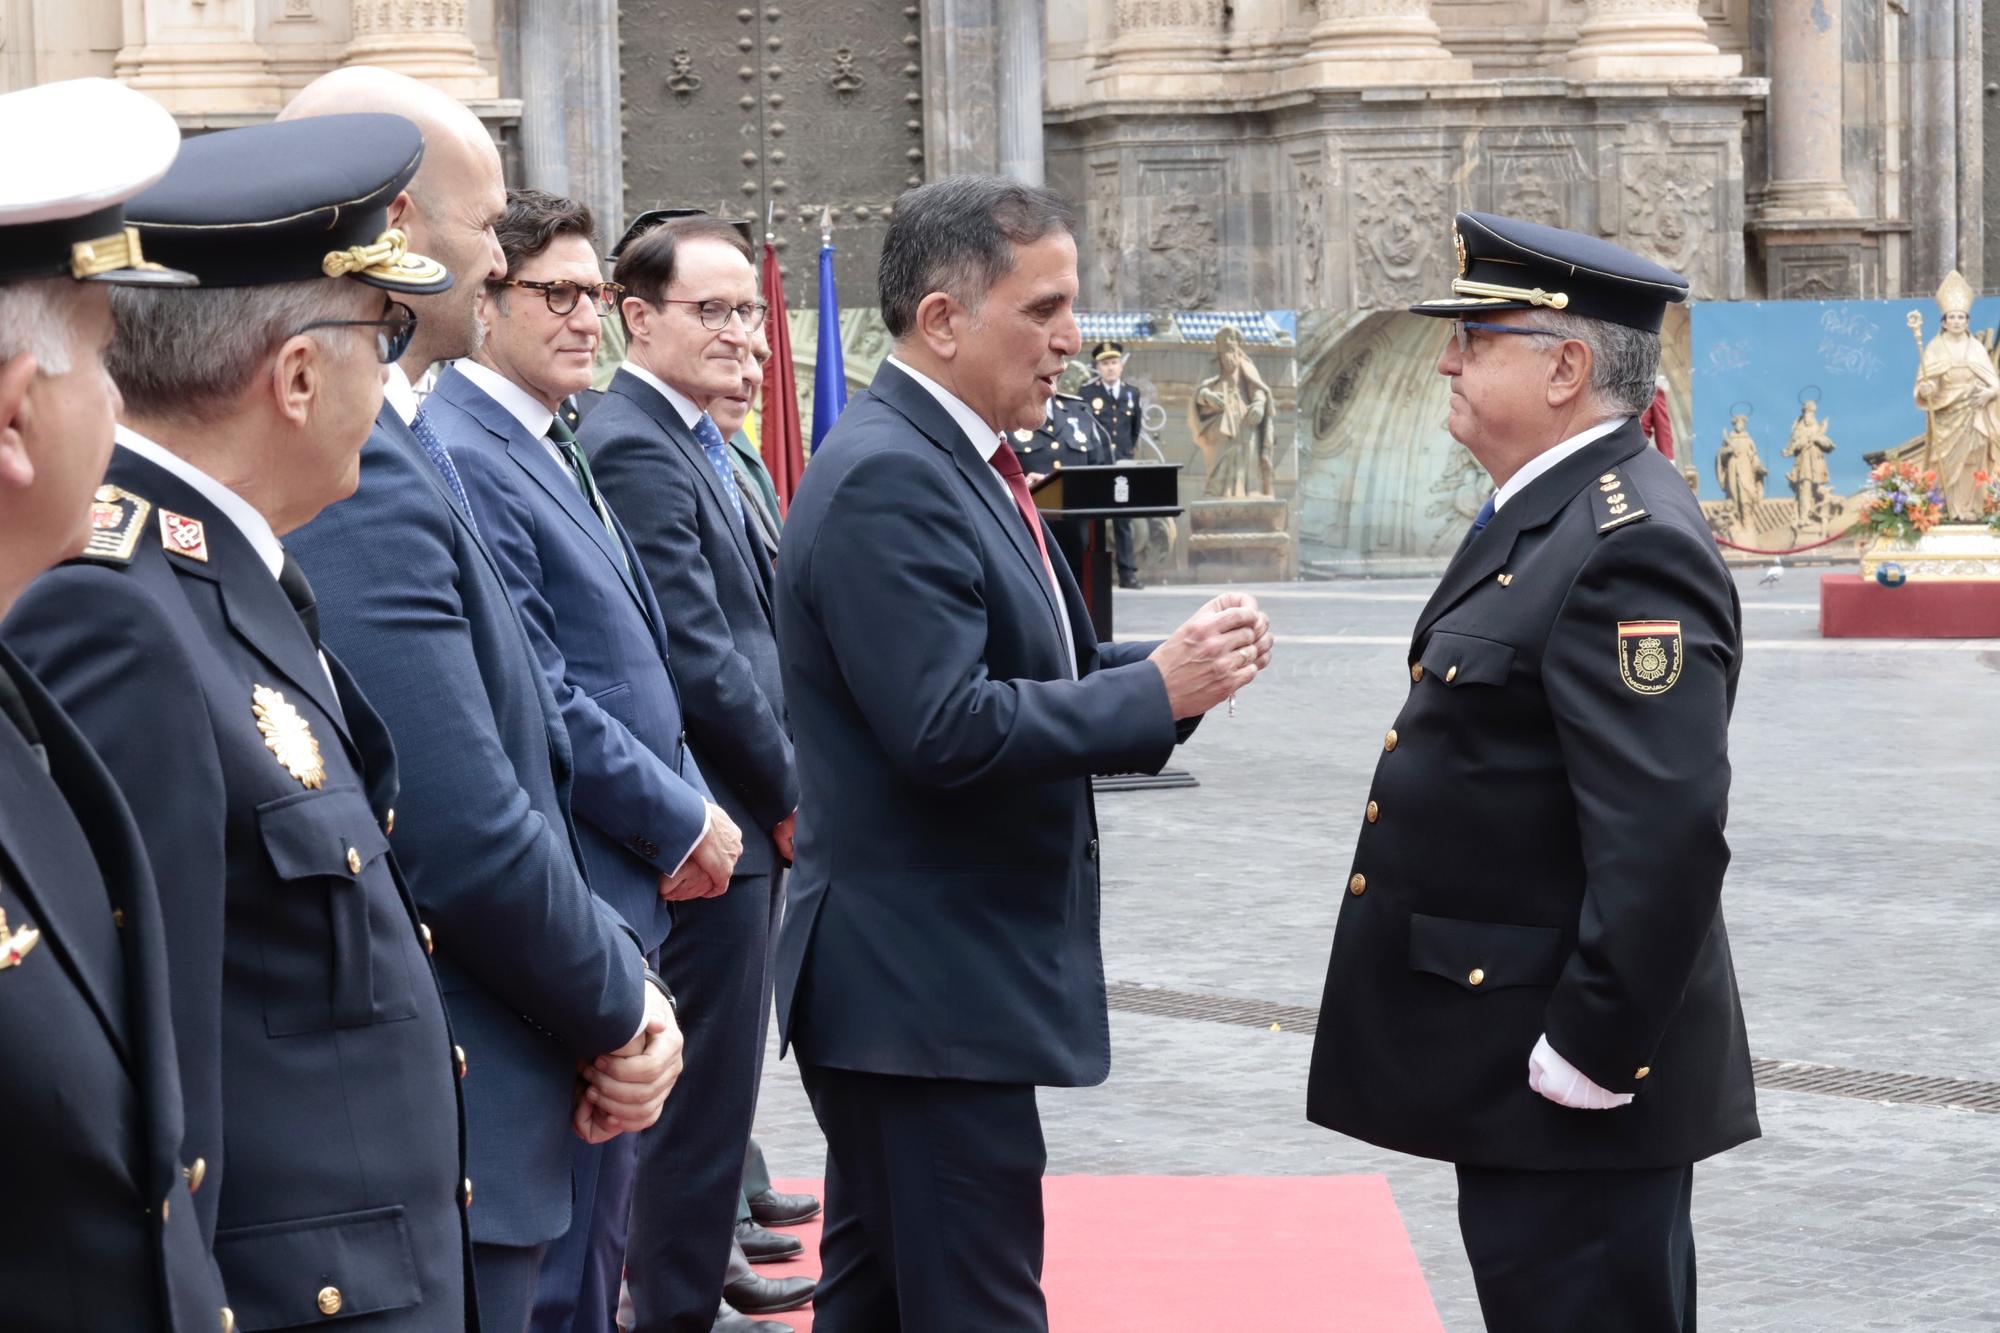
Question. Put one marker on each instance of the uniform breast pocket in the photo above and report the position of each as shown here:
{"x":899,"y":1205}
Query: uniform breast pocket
{"x":335,"y":941}
{"x":1457,"y":661}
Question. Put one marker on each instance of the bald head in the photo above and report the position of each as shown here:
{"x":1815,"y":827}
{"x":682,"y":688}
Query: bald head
{"x":450,"y":206}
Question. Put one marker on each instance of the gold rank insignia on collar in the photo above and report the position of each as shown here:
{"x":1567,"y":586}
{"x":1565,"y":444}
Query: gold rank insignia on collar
{"x":116,"y":519}
{"x":183,"y":536}
{"x":288,"y":736}
{"x":16,"y":944}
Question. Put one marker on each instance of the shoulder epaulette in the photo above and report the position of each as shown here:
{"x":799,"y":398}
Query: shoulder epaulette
{"x":1617,"y":502}
{"x":117,"y":519}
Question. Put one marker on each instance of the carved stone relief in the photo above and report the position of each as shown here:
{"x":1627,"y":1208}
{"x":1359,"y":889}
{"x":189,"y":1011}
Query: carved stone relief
{"x":1669,"y":210}
{"x":1134,"y":15}
{"x":408,"y":16}
{"x":1184,"y":268}
{"x":1534,"y":187}
{"x":1399,"y":218}
{"x":1107,"y":241}
{"x":1309,"y":192}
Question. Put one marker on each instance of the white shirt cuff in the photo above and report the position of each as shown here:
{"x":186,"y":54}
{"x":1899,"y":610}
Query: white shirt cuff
{"x":707,"y":822}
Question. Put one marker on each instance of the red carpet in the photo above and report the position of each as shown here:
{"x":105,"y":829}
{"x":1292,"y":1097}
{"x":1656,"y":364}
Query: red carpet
{"x":1214,"y":1254}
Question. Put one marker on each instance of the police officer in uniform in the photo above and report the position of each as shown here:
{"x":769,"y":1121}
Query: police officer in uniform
{"x":1068,"y":436}
{"x":98,"y":1229}
{"x":320,"y":1072}
{"x":1115,"y":404}
{"x":1530,"y":977}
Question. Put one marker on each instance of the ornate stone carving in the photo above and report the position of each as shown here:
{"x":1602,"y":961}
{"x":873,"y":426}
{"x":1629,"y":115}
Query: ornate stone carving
{"x":1186,"y":269}
{"x":1400,"y":220}
{"x":1138,"y":14}
{"x":1668,"y":215}
{"x":1107,"y":241}
{"x":371,"y":16}
{"x":682,"y":81}
{"x":845,"y":80}
{"x":1531,"y":187}
{"x":1309,"y":188}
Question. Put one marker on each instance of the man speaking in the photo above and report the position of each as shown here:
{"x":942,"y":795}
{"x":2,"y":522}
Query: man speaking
{"x":949,"y":704}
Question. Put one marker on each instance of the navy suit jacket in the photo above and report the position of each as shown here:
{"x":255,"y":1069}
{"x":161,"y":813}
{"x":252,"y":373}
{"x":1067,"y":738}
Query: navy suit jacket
{"x":704,"y":564}
{"x":537,"y":972}
{"x":639,"y":797}
{"x":944,"y":907}
{"x":330,"y":1122}
{"x":91,"y":1130}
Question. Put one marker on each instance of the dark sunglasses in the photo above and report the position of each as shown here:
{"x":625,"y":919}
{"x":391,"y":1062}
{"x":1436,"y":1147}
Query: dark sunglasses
{"x":392,"y":332}
{"x":563,"y":295}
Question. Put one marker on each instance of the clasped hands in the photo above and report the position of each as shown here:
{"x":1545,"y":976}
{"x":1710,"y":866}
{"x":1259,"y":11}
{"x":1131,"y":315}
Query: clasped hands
{"x":622,"y":1091}
{"x":706,"y":872}
{"x":1216,"y":652}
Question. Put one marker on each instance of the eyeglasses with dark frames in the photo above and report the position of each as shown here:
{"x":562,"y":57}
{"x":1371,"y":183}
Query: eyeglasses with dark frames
{"x":562,"y":295}
{"x":1459,"y":327}
{"x":392,"y":332}
{"x":715,"y":314}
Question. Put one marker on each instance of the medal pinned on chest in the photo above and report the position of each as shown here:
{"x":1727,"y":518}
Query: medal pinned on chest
{"x":288,"y":736}
{"x":1649,"y":655}
{"x":16,"y":944}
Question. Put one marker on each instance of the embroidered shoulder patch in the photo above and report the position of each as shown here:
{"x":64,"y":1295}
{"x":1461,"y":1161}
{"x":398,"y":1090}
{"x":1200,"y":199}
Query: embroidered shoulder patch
{"x":117,"y":518}
{"x":1649,"y":654}
{"x":1616,"y":505}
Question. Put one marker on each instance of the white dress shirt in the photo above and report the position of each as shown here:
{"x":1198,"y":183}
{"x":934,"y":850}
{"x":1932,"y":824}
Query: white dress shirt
{"x":518,"y":403}
{"x":401,"y":395}
{"x":985,"y":440}
{"x":239,"y":511}
{"x":1551,"y":456}
{"x":682,"y":403}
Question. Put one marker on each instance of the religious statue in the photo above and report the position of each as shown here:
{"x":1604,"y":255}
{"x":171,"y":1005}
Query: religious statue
{"x":1808,"y":449}
{"x":1958,"y":386}
{"x":1234,"y":420}
{"x":1740,"y":473}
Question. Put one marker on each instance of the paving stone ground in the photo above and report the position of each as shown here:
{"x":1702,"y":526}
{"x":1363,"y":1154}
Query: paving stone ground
{"x":1862,"y":906}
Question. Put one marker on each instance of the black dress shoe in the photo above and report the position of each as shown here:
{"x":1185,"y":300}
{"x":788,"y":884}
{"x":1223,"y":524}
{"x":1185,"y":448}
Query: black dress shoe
{"x":773,"y":1209}
{"x":1130,"y":582}
{"x":767,"y":1247}
{"x":768,"y":1295}
{"x":728,"y":1321}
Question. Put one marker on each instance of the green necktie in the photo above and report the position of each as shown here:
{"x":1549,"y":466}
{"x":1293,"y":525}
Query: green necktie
{"x":579,"y":467}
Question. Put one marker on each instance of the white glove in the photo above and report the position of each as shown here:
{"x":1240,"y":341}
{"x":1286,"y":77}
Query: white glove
{"x":1564,"y":1084}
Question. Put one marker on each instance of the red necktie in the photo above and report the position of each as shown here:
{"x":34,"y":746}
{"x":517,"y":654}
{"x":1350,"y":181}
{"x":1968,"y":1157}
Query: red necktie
{"x":1009,"y":467}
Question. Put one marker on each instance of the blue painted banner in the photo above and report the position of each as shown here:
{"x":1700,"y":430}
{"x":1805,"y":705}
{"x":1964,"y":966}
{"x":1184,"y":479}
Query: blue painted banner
{"x":1856,"y":359}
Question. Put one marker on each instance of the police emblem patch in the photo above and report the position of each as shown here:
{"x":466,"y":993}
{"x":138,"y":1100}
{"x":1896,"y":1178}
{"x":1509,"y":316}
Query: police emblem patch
{"x":1649,"y":654}
{"x":183,"y":536}
{"x":1097,"y":404}
{"x":288,"y":736}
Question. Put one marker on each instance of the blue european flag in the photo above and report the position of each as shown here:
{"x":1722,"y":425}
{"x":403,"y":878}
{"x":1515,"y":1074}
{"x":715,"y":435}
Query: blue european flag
{"x":829,"y":374}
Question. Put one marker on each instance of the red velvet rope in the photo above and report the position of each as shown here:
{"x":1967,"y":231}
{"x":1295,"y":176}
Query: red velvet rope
{"x":1796,"y":550}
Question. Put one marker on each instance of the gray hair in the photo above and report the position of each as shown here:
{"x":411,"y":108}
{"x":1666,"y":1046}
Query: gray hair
{"x":37,"y":319}
{"x":186,"y":355}
{"x":957,"y":235}
{"x":1623,"y":360}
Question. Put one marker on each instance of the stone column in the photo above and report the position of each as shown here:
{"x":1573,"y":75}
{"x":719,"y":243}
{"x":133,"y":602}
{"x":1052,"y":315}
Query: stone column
{"x":425,"y":39}
{"x":1020,"y":79}
{"x":570,"y":131}
{"x":1806,"y":177}
{"x":1646,"y":40}
{"x":961,"y":86}
{"x":198,"y":57}
{"x":1363,"y":43}
{"x":1164,"y":49}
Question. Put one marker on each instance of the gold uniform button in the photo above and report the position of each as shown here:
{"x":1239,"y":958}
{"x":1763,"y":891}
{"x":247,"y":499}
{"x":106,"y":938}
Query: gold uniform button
{"x":195,"y":1173}
{"x":329,"y":1300}
{"x":1358,"y":885}
{"x":1643,"y":1071}
{"x":424,"y":933}
{"x":1389,"y":741}
{"x":458,"y":1059}
{"x":228,"y":1320}
{"x":118,"y":917}
{"x":1374,"y":812}
{"x":1476,"y":977}
{"x":1416,"y":671}
{"x":466,"y":1191}
{"x":353,"y":861}
{"x":389,"y":822}
{"x":1451,"y":674}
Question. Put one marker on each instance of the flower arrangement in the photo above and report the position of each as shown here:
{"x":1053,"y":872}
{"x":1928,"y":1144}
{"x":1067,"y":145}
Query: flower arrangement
{"x":1989,"y":498}
{"x":1902,"y":501}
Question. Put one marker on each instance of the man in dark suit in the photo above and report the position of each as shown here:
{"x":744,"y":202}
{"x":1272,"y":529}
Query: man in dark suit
{"x":1531,"y":978}
{"x":691,"y":311}
{"x":314,"y":1039}
{"x":940,"y":954}
{"x":538,"y":973}
{"x":1115,"y":404}
{"x":652,"y":839}
{"x":98,"y":1231}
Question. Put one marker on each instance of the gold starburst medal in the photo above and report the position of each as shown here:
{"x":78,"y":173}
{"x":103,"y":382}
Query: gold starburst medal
{"x":288,"y":736}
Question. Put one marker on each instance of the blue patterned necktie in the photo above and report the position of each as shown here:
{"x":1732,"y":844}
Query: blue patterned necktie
{"x":712,"y":444}
{"x":1485,"y":516}
{"x":434,"y":450}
